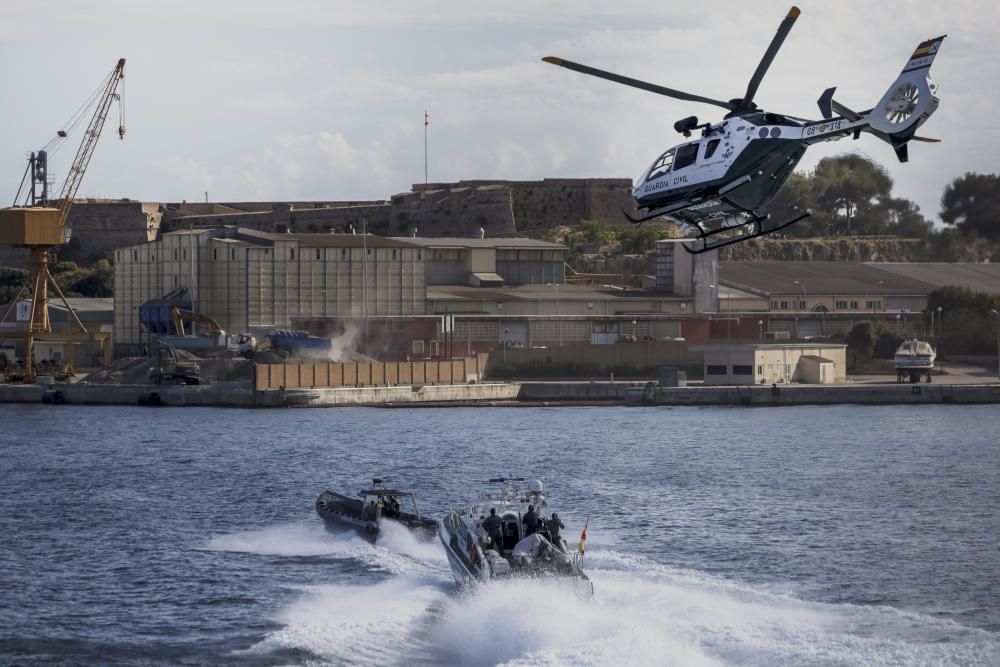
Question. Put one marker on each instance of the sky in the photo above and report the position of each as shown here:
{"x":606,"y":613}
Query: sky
{"x":249,"y":100}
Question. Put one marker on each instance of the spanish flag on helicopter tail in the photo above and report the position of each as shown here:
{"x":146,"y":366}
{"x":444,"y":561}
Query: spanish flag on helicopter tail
{"x":583,"y":535}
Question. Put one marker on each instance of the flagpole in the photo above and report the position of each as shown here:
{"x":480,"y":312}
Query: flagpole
{"x":426,"y":122}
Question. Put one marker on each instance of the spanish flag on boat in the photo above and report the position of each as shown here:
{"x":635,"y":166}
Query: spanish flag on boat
{"x":583,"y":535}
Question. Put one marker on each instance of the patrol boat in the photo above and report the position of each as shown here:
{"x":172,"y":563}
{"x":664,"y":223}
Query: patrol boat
{"x":366,"y":512}
{"x":473,"y":558}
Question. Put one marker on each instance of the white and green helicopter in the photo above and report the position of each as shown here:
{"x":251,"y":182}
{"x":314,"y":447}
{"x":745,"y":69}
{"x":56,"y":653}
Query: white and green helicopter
{"x":718,"y":183}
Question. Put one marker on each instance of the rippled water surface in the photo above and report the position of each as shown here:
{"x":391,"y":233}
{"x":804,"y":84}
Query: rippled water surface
{"x":828,"y":535}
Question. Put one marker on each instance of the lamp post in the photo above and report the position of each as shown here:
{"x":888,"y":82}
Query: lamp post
{"x":633,"y":331}
{"x":937,"y":338}
{"x":878,"y":300}
{"x":997,"y":313}
{"x":760,"y":326}
{"x":504,"y":344}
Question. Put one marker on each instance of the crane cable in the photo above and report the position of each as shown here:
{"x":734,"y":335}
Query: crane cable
{"x":77,"y":117}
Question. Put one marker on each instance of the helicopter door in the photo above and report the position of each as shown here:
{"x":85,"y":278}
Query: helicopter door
{"x":686,"y":156}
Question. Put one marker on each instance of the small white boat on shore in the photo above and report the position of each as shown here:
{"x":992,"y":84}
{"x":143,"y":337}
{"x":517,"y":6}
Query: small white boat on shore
{"x":513,"y":549}
{"x":914,"y":359}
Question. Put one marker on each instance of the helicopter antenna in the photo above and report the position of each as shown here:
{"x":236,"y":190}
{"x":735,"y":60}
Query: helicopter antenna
{"x":746,"y":104}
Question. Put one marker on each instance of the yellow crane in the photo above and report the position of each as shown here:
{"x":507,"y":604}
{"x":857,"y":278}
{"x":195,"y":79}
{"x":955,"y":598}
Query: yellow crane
{"x":40,"y":227}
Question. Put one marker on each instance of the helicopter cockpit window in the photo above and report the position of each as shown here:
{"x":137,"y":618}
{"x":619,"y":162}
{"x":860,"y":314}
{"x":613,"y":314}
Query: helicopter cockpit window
{"x":710,"y":148}
{"x":686,"y":156}
{"x":661,"y":166}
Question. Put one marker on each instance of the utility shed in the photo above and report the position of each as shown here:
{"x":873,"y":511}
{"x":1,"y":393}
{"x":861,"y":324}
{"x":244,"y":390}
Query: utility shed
{"x":759,"y":363}
{"x":814,"y":369}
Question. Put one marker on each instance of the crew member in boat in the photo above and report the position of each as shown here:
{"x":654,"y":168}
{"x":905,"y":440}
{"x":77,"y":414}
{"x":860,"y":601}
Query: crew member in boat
{"x":553,"y":525}
{"x":492,"y":524}
{"x":530,"y":521}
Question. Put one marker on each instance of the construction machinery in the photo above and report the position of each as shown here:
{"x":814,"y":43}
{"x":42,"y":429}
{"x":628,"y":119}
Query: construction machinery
{"x":172,"y":369}
{"x":214,"y":340}
{"x":41,"y":225}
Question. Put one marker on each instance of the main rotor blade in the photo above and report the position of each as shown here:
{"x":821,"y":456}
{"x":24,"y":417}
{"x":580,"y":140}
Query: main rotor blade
{"x":636,"y":83}
{"x":772,"y":51}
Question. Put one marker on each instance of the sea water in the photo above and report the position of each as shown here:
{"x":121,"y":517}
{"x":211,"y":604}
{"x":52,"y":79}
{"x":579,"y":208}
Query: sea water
{"x":806,"y":535}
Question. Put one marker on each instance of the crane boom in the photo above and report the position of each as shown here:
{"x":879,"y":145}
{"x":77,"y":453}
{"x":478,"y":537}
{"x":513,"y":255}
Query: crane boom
{"x":90,"y":137}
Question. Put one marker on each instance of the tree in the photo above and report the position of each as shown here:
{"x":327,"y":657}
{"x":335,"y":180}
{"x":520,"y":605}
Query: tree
{"x":596,"y":232}
{"x":640,"y":239}
{"x":972,"y":204}
{"x":98,"y":283}
{"x":861,"y":341}
{"x":850,"y":187}
{"x":11,"y":281}
{"x":966,"y":323}
{"x":793,"y":199}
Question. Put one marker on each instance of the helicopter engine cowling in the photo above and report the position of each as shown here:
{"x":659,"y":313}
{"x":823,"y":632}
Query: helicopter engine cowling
{"x":685,"y":125}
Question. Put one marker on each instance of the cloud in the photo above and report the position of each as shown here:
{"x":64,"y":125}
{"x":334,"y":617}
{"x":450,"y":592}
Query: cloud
{"x":188,"y":173}
{"x":325,"y":100}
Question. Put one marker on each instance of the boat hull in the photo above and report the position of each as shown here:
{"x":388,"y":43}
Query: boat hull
{"x":463,"y":553}
{"x":342,"y":513}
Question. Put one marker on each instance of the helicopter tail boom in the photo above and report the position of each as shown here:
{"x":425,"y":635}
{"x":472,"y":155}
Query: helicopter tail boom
{"x":909,"y":101}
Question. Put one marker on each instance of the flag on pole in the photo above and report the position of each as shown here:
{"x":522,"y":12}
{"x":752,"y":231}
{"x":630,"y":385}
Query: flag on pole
{"x":583,"y":535}
{"x":427,"y":119}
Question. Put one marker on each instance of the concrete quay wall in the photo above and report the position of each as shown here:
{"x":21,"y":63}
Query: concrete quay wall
{"x":822,"y":395}
{"x":232,"y":394}
{"x":376,"y":396}
{"x":575,"y":391}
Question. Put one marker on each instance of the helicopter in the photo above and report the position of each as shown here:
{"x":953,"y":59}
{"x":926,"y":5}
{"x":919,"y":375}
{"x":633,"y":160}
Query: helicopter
{"x":716,"y":184}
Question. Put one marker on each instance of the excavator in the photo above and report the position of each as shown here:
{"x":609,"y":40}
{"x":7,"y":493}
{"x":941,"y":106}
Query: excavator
{"x":216,"y":340}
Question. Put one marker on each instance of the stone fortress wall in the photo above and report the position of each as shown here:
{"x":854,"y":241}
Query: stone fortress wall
{"x":498,"y":208}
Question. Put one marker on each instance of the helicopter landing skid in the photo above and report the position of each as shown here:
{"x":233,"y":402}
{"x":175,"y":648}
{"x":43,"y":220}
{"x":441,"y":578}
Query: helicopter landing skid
{"x":755,"y":223}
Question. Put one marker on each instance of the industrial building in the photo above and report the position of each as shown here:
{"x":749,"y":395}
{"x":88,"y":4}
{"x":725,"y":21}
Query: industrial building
{"x":816,"y":299}
{"x":491,"y":262}
{"x":255,"y":282}
{"x":752,"y":363}
{"x":96,"y":314}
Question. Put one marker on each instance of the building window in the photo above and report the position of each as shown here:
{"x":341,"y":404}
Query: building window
{"x":420,"y":255}
{"x":854,"y":305}
{"x":369,"y":251}
{"x":760,"y":370}
{"x":841,"y":305}
{"x":774,"y":305}
{"x":175,"y":254}
{"x":418,"y":347}
{"x":742,"y":370}
{"x":135,"y":256}
{"x":343,"y":253}
{"x":317,"y":253}
{"x":394,"y":253}
{"x":715,"y":370}
{"x":215,"y":253}
{"x":291,"y":253}
{"x":232,"y":253}
{"x":184,"y":254}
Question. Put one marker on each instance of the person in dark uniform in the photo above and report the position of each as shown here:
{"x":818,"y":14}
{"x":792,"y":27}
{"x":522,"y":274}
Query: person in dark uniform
{"x":530,"y":520}
{"x":492,"y":525}
{"x":554,"y":524}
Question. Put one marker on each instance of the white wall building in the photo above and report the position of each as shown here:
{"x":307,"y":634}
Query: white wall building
{"x":752,"y":363}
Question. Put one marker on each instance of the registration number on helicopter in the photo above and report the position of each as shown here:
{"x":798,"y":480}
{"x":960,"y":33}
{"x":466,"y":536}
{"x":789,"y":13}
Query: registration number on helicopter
{"x":825,"y":128}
